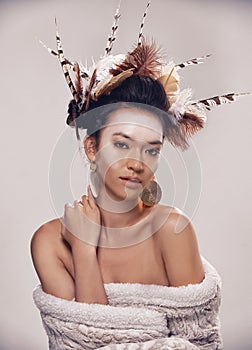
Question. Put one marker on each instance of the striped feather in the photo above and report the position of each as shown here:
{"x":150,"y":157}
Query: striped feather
{"x":140,"y":35}
{"x":64,"y":65}
{"x":88,"y":92}
{"x":114,"y":28}
{"x":78,"y":86}
{"x":211,"y":102}
{"x":83,"y":71}
{"x":197,"y":60}
{"x":48,"y":49}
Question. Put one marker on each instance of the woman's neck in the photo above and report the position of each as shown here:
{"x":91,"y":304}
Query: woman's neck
{"x":120,"y":214}
{"x":123,"y":222}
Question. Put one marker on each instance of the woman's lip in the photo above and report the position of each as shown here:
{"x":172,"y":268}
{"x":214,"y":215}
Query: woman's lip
{"x":129,"y":183}
{"x":129,"y":178}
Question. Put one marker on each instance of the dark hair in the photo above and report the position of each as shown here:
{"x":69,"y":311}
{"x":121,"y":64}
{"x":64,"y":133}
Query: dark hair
{"x":141,"y":92}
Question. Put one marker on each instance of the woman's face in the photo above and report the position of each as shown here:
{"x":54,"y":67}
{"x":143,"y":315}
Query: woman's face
{"x":128,"y":152}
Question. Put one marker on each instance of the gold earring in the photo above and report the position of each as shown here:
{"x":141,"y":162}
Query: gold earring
{"x":93,"y":166}
{"x":93,"y":179}
{"x":151,"y":194}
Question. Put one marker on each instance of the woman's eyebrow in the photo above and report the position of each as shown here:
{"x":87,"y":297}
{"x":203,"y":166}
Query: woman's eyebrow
{"x":157,"y":142}
{"x":123,"y":135}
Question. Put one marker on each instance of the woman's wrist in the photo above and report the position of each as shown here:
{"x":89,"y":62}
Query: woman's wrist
{"x":82,"y":248}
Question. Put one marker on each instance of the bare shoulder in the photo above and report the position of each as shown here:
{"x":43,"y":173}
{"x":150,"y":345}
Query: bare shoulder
{"x":45,"y":244}
{"x":45,"y":240}
{"x":47,"y":232}
{"x":49,"y":253}
{"x":175,"y":220}
{"x":179,"y":247}
{"x":168,"y":217}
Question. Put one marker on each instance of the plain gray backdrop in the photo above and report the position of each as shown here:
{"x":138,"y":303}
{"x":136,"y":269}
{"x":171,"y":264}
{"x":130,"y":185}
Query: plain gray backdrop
{"x":34,"y":98}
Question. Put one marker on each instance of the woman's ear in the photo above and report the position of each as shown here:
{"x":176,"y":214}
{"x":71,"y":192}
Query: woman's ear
{"x":90,"y":147}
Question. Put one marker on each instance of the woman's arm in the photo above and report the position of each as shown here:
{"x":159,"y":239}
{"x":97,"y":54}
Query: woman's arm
{"x":89,"y":287}
{"x":180,"y":251}
{"x":81,"y":225}
{"x":46,"y":252}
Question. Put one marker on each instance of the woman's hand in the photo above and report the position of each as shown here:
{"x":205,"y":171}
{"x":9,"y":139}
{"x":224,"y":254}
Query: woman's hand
{"x":82,"y":221}
{"x":81,"y":226}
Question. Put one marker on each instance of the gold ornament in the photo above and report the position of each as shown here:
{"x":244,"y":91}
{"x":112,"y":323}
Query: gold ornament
{"x":151,"y":194}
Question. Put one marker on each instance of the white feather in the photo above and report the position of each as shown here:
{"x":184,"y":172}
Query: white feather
{"x":178,"y":107}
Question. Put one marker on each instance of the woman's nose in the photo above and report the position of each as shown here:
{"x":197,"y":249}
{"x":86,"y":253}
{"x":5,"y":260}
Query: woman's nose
{"x":135,"y":165}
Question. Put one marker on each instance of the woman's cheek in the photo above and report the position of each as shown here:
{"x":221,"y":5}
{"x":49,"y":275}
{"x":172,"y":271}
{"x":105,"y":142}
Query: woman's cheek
{"x":106,"y":158}
{"x":151,"y":163}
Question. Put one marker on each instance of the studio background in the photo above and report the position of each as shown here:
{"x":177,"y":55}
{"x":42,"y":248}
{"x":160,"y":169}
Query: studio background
{"x":34,"y":98}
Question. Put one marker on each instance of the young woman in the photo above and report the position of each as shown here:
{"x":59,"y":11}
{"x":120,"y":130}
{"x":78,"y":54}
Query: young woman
{"x":119,"y":270}
{"x":126,"y":150}
{"x":119,"y":248}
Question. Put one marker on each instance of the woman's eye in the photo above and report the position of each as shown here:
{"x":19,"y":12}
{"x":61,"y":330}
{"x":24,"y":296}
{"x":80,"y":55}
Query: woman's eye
{"x":153,"y":151}
{"x":121,"y":144}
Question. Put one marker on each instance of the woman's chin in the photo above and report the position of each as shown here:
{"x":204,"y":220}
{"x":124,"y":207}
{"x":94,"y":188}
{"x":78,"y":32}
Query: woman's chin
{"x":123,"y":191}
{"x":124,"y":196}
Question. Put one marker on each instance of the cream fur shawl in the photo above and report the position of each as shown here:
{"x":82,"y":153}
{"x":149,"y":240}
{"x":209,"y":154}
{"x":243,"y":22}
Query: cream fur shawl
{"x":138,"y":316}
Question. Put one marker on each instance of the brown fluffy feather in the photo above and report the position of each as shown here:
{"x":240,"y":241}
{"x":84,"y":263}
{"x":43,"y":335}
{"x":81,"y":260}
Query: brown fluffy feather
{"x":144,"y":60}
{"x":185,"y":128}
{"x":191,"y":123}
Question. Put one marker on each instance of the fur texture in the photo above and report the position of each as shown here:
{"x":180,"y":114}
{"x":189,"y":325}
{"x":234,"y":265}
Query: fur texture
{"x":138,"y":316}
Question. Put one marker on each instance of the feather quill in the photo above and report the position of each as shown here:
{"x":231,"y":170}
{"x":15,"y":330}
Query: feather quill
{"x":140,"y":35}
{"x":64,"y":65}
{"x":169,"y":79}
{"x":83,"y":71}
{"x":78,"y":85}
{"x":48,"y":49}
{"x":197,"y":60}
{"x":143,"y":60}
{"x":114,"y":28}
{"x":194,"y":117}
{"x":211,"y":102}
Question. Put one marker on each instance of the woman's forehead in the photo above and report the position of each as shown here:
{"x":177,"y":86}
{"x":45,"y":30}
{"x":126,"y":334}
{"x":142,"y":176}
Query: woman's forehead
{"x":135,"y":123}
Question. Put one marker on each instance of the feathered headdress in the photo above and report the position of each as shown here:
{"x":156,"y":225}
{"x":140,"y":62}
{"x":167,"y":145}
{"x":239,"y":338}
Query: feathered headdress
{"x":146,"y":60}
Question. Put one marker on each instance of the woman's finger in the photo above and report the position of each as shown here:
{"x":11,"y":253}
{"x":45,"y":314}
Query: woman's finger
{"x":76,"y":203}
{"x":85,"y":201}
{"x":68,"y":205}
{"x":83,"y":197}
